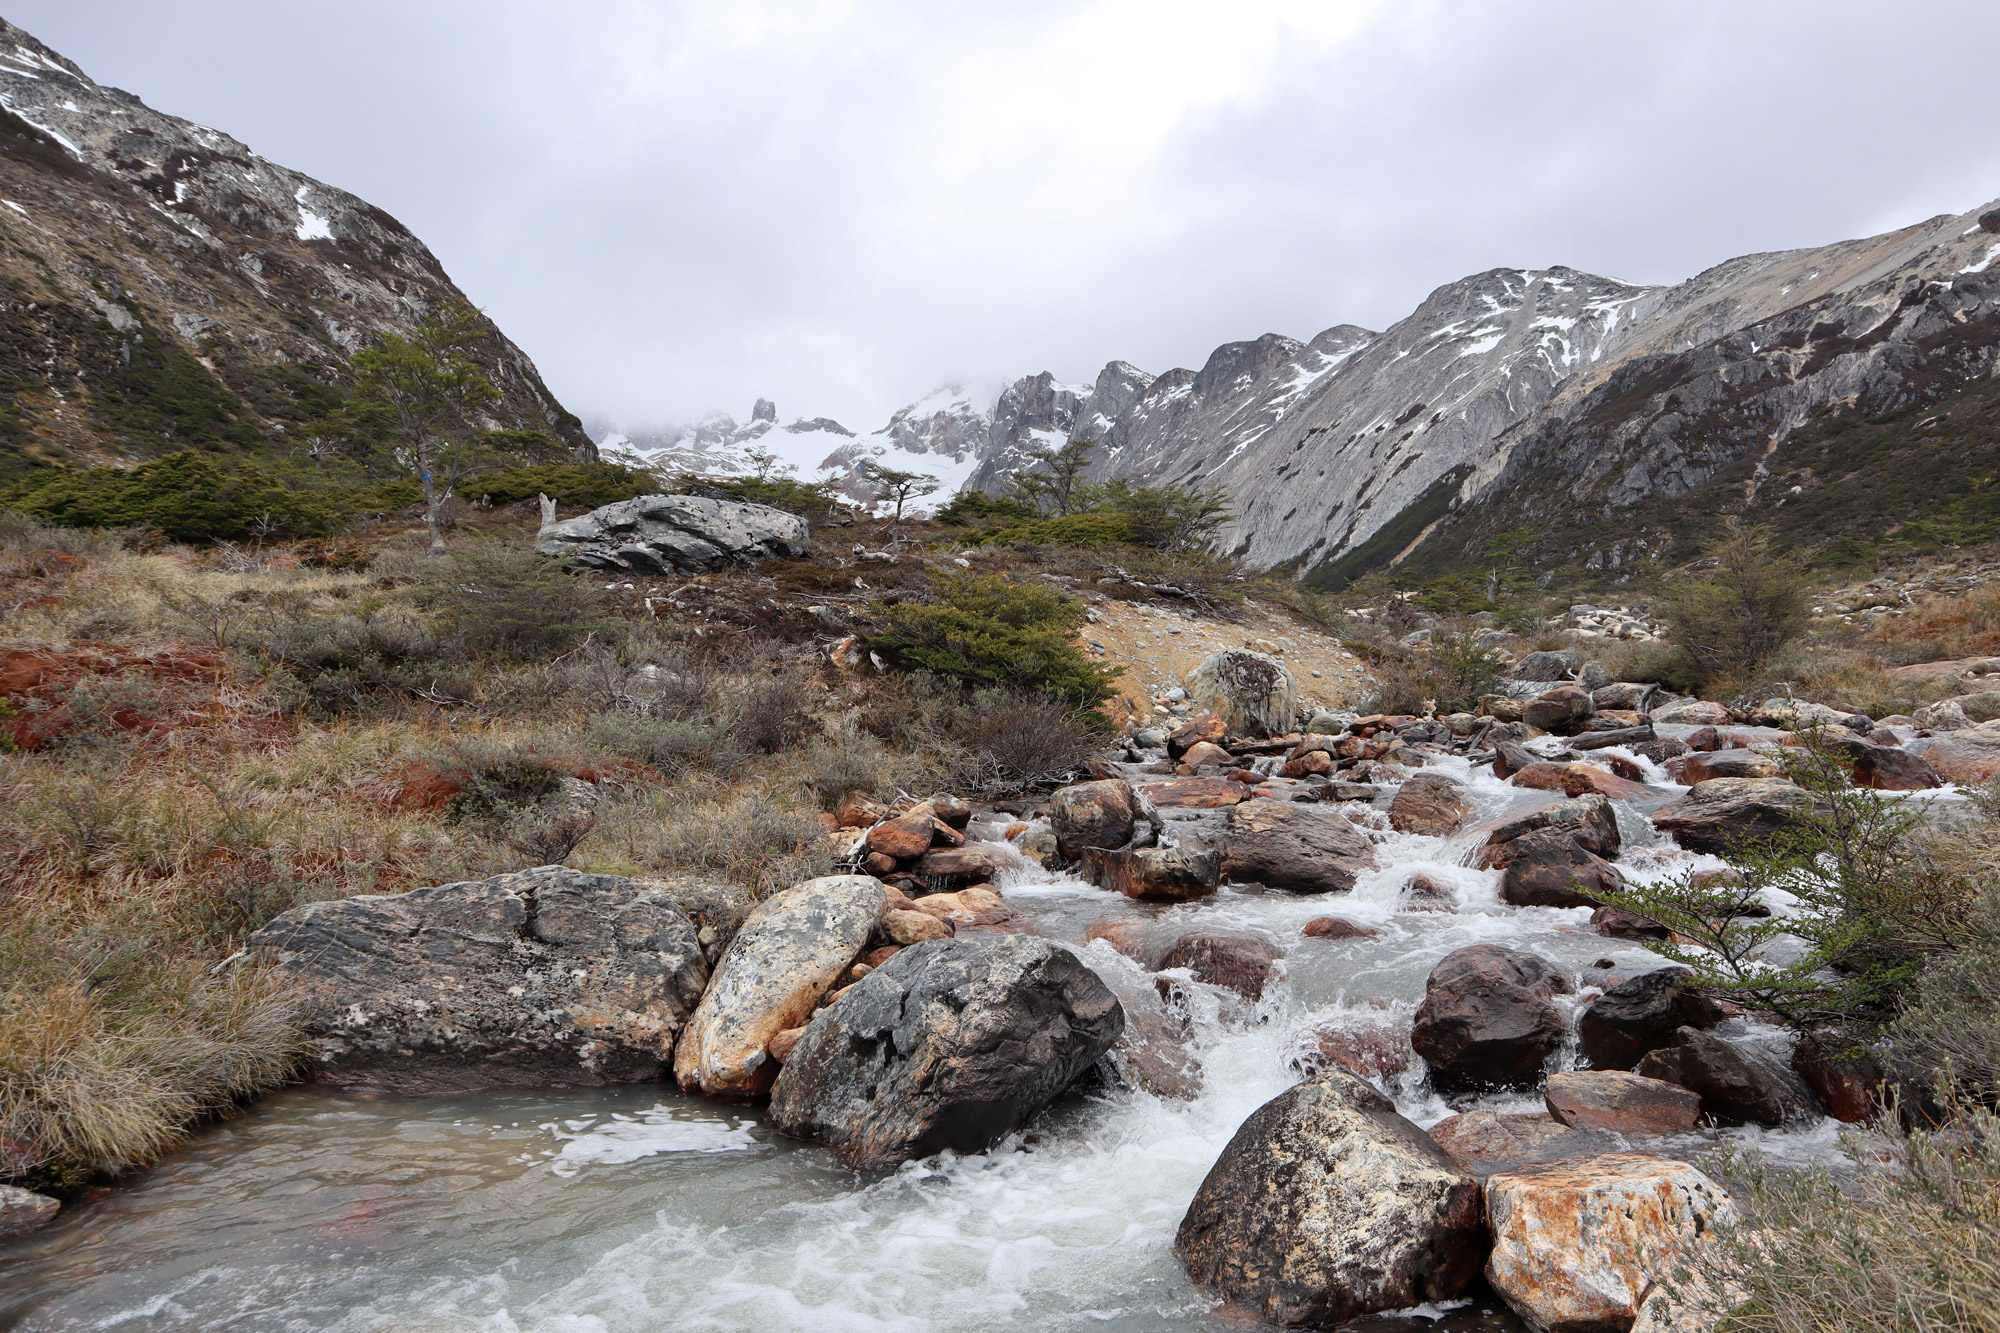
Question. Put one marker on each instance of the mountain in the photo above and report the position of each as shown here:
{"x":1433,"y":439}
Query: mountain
{"x":165,"y":287}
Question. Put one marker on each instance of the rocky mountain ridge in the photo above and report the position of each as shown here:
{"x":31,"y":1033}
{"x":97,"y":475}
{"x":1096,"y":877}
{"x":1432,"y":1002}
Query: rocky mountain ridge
{"x":166,"y":287}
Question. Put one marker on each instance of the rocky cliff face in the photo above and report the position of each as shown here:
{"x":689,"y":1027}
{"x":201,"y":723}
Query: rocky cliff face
{"x":166,"y":287}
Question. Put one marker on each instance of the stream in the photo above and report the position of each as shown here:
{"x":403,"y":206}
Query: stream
{"x":635,"y":1208}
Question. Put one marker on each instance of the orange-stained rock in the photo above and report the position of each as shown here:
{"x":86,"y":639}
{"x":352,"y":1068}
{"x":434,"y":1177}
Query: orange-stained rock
{"x":1371,"y":1048}
{"x":1194,"y":793}
{"x":1620,"y":1103}
{"x":781,"y":1045}
{"x":879,"y":863}
{"x":1207,"y":727}
{"x":980,"y":905}
{"x":903,"y":837}
{"x":1429,"y":803}
{"x":1206,"y":752}
{"x":1312,"y":761}
{"x":1135,"y":939}
{"x":1337,"y":928}
{"x":914,"y":927}
{"x":1577,"y":1245}
{"x":860,"y":810}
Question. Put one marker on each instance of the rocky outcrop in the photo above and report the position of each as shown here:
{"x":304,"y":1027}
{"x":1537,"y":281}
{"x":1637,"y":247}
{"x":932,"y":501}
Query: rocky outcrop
{"x":1328,"y":1205}
{"x":1299,"y":848}
{"x":1254,"y":694}
{"x":951,"y":1045}
{"x":1737,"y":1082}
{"x":675,"y":534}
{"x":545,"y":977}
{"x":1578,"y":1245}
{"x":1718,"y":814}
{"x":1489,"y":1018}
{"x":1639,"y":1015}
{"x":1620,"y":1103}
{"x":1700,"y":767}
{"x":1429,"y":803}
{"x":787,"y":955}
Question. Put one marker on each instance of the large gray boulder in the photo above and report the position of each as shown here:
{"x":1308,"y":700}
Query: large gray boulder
{"x":1328,"y":1205}
{"x":1253,"y":694}
{"x":787,"y":955}
{"x":951,"y":1044}
{"x":675,"y":534}
{"x":545,"y":977}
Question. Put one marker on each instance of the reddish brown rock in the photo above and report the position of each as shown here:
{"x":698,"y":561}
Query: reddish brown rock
{"x":1842,"y":1074}
{"x":1300,"y":848}
{"x":1626,"y":769}
{"x":879,"y":955}
{"x":1640,"y":1015}
{"x":1487,"y":1141}
{"x":782,"y":1044}
{"x":1715,"y":814}
{"x":1203,"y":753}
{"x":1207,"y":727}
{"x":1307,"y":764}
{"x":1969,"y":757}
{"x":1092,"y":816}
{"x":902,"y":838}
{"x":914,"y":927}
{"x":879,"y":864}
{"x":1159,"y":874}
{"x":1194,"y":793}
{"x":962,"y":867}
{"x":1242,"y":963}
{"x":1890,"y":768}
{"x":1134,"y":939}
{"x":1620,"y":1103}
{"x":1429,"y":803}
{"x":1560,"y":710}
{"x":1619,"y":924}
{"x":859,"y":810}
{"x":1366,"y":1048}
{"x":1550,"y":868}
{"x":980,"y":905}
{"x":955,"y":811}
{"x":1245,"y":775}
{"x":1588,"y":818}
{"x":1337,"y":928}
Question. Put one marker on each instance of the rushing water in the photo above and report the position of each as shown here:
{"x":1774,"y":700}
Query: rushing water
{"x":618,"y":1210}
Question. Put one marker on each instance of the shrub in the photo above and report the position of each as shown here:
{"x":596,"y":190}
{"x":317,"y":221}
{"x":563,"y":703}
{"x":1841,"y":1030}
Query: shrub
{"x":1084,"y":530}
{"x":977,"y":509}
{"x":814,"y":501}
{"x":990,"y":631}
{"x":347,"y":663}
{"x":993,"y":742}
{"x":753,"y":840}
{"x":591,"y":484}
{"x":1732,"y":623}
{"x":188,"y":496}
{"x":1446,"y":675}
{"x":503,"y":600}
{"x":1169,"y":518}
{"x":673,"y":745}
{"x":1650,"y":662}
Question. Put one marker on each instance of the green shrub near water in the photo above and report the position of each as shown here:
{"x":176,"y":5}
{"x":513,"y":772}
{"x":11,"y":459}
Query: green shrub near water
{"x":990,"y":631}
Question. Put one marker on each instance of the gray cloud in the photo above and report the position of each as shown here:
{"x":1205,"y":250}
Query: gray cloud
{"x":678,"y":207}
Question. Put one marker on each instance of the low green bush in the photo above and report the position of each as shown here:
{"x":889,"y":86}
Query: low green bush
{"x":1085,"y":530}
{"x":190,"y":497}
{"x":502,"y":600}
{"x":591,"y":484}
{"x":986,"y":630}
{"x":977,"y":509}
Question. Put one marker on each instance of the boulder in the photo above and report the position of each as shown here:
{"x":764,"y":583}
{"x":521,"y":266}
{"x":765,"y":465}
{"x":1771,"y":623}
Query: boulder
{"x":1242,"y":963}
{"x":1890,"y":767}
{"x":1590,"y":819}
{"x":903,"y":838}
{"x":1559,"y":664}
{"x":1206,"y":754}
{"x":1560,"y":710}
{"x":1704,"y":739}
{"x":1700,"y":766}
{"x":952,"y":811}
{"x":1969,"y":757}
{"x":1640,"y":1015}
{"x":1193,"y":793}
{"x":1738,"y":1083}
{"x":1489,"y":1018}
{"x":1253,"y":694}
{"x":1549,"y":868}
{"x":1798,"y":715}
{"x":1336,"y":928}
{"x":948,"y":1045}
{"x":1844,"y":1075}
{"x":980,"y":905}
{"x":1620,"y":1103}
{"x":1299,"y":848}
{"x":1578,"y":1245}
{"x":1717,"y":814}
{"x":913,"y":927}
{"x":1139,"y":940}
{"x":1424,"y":894}
{"x":1661,"y":750}
{"x":1370,"y":1048}
{"x":859,"y":810}
{"x":22,"y":1211}
{"x":542,"y":978}
{"x":1328,"y":1205}
{"x":788,"y":954}
{"x":1484,"y":1142}
{"x":1160,"y":874}
{"x":1620,"y":924}
{"x":963,"y":867}
{"x":1692,"y":713}
{"x":1623,"y":694}
{"x":1429,"y":803}
{"x":1207,"y":727}
{"x":675,"y":534}
{"x":1308,"y":764}
{"x":1093,"y":816}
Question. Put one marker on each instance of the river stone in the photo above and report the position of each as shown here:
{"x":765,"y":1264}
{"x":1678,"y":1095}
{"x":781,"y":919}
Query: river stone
{"x":1296,"y":847}
{"x":1093,"y":816}
{"x":1738,"y":1083}
{"x":1967,"y":757}
{"x":1578,"y":1245}
{"x":1242,"y":963}
{"x":1555,"y":664}
{"x":1692,"y":713}
{"x":1327,"y":1205}
{"x":22,"y":1211}
{"x":1428,"y":803}
{"x":1484,"y":1142}
{"x":1159,"y":874}
{"x":1589,"y":818}
{"x":1620,"y":1103}
{"x":949,"y":1045}
{"x":786,"y":956}
{"x":1640,"y":1015}
{"x":1717,"y":814}
{"x":1550,"y":868}
{"x":1700,"y":766}
{"x":1560,"y":710}
{"x":1252,"y":693}
{"x":1889,"y":767}
{"x":1489,"y":1018}
{"x":675,"y":534}
{"x":542,"y":978}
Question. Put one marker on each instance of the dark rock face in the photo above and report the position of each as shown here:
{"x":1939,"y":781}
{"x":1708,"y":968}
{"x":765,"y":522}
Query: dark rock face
{"x":1489,"y":1018}
{"x":1619,"y":924}
{"x":952,"y":1044}
{"x":1242,"y":963}
{"x":1093,"y":816}
{"x":1486,"y":1142}
{"x":1589,"y":818}
{"x":1428,"y":803}
{"x":1721,"y":811}
{"x":1844,"y":1075}
{"x":1296,"y":847}
{"x":1641,"y":1015}
{"x":1890,"y":768}
{"x":1550,"y":868}
{"x":542,"y":978}
{"x":1160,"y":874}
{"x":675,"y":534}
{"x":1738,"y":1083}
{"x":1328,"y":1205}
{"x":22,"y":1211}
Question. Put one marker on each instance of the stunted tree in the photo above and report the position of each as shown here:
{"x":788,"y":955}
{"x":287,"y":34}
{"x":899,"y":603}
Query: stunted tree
{"x":1172,"y":519}
{"x":1734,"y":622}
{"x":897,"y":487}
{"x":428,"y":388}
{"x":1060,"y":486}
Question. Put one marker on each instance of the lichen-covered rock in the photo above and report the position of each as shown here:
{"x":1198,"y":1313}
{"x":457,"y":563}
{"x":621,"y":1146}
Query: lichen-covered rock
{"x":953,"y":1044}
{"x":1328,"y":1205}
{"x":675,"y":534}
{"x":787,"y":955}
{"x":1489,"y":1018}
{"x":1300,"y":848}
{"x":545,"y":977}
{"x":1253,"y":694}
{"x":1577,"y":1245}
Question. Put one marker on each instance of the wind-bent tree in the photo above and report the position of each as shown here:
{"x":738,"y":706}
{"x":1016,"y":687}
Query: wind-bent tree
{"x":429,"y":388}
{"x":895,"y":486}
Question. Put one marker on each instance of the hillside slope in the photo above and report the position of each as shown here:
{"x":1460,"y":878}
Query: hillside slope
{"x":164,"y":287}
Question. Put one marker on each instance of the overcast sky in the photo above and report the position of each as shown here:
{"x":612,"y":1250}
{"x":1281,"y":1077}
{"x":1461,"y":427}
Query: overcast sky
{"x":677,"y":207}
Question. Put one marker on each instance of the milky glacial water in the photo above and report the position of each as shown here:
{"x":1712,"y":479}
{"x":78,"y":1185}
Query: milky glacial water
{"x":629,"y":1209}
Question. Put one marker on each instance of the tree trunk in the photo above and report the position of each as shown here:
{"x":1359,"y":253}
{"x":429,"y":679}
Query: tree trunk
{"x":434,"y":514}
